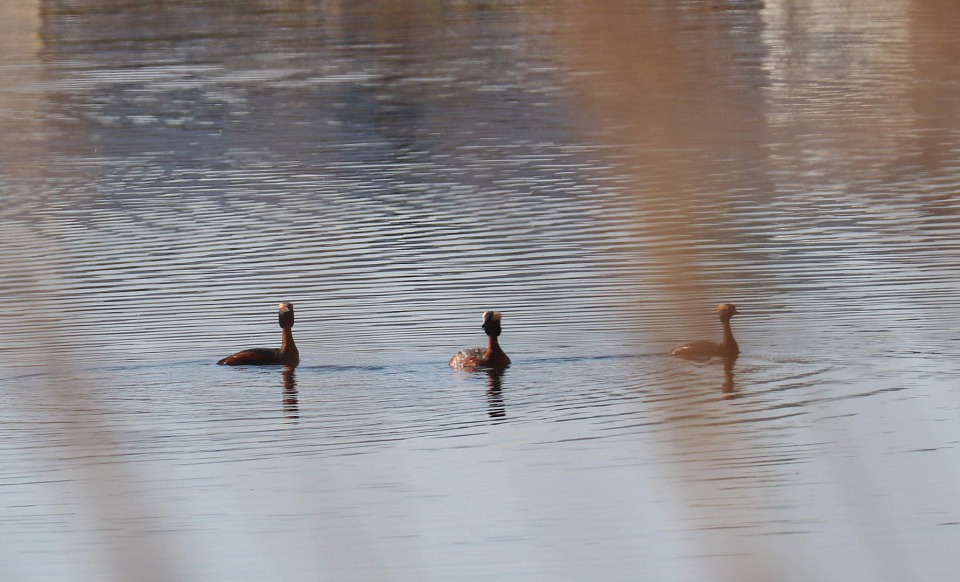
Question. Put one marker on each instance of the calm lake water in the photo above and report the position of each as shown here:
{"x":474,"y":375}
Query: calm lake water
{"x":605,"y":177}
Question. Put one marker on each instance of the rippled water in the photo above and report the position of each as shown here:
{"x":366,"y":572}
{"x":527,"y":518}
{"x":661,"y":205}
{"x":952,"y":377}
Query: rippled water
{"x":604,"y":177}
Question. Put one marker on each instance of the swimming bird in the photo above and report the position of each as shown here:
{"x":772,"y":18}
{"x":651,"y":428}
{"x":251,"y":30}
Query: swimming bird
{"x":287,"y":354}
{"x":727,"y":348}
{"x":492,"y":356}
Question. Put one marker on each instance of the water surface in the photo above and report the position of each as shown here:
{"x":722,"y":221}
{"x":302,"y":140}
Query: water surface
{"x":171,"y":172}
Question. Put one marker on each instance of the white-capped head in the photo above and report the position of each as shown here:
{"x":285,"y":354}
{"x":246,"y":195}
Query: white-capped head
{"x":491,"y":316}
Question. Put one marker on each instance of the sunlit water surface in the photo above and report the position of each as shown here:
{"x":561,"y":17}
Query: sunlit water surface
{"x":172,"y":171}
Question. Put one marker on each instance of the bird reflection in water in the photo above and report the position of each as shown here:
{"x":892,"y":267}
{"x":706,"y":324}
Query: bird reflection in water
{"x":729,"y":387}
{"x":495,"y":405}
{"x":291,"y":406}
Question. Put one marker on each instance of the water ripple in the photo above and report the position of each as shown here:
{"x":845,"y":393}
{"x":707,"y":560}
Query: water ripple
{"x":166,"y":185}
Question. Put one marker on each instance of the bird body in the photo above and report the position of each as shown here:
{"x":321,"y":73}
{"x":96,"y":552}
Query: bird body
{"x":286,"y":355}
{"x":727,"y":348}
{"x":492,"y":356}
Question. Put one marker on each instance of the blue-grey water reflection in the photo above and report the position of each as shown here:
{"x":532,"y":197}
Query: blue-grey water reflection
{"x":171,"y":171}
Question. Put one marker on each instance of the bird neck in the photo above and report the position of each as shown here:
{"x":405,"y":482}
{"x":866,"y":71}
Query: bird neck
{"x":729,"y":344}
{"x":287,"y":344}
{"x":493,"y":345}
